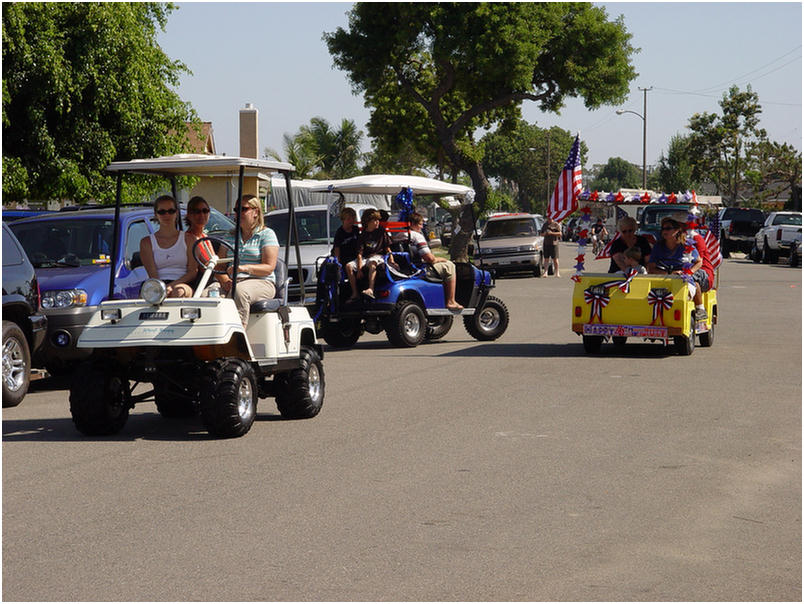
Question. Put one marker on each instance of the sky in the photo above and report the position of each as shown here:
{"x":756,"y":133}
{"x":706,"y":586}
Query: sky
{"x":273,"y":56}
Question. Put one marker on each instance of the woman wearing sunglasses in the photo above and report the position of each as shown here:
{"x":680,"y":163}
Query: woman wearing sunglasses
{"x":627,"y":239}
{"x":259,"y":250}
{"x":166,"y":254}
{"x":669,"y":255}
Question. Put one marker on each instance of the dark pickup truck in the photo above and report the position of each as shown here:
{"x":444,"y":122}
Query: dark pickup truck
{"x":738,"y":227}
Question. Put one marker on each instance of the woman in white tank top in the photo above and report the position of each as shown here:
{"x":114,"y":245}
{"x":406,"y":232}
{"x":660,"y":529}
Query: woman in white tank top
{"x":165,"y":254}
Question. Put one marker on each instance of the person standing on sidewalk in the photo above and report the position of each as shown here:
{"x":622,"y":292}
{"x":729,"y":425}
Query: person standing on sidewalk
{"x":551,"y":231}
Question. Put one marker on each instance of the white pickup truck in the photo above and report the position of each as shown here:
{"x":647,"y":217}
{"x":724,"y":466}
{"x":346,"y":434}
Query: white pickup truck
{"x":775,"y":236}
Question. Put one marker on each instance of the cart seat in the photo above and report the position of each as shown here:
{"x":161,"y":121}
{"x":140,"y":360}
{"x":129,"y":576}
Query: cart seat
{"x":281,"y":298}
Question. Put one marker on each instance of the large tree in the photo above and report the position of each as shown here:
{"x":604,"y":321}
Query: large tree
{"x":439,"y":72}
{"x":674,"y":170}
{"x":718,"y":145}
{"x":617,"y":174}
{"x":85,"y":84}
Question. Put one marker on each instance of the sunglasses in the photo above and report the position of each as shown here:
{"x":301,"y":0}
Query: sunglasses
{"x":200,"y":211}
{"x":669,"y":228}
{"x":163,"y":212}
{"x":626,"y":230}
{"x":239,"y":210}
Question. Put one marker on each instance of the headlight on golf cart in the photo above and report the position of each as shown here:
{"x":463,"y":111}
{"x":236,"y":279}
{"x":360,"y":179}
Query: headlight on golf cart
{"x":153,"y":291}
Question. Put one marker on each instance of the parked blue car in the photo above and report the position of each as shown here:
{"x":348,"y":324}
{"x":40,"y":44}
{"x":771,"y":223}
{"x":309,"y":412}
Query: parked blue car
{"x":71,"y":253}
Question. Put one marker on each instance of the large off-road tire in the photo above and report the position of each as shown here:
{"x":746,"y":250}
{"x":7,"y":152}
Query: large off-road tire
{"x":343,"y":334}
{"x":592,"y":344}
{"x":489,"y":321}
{"x":16,"y":364}
{"x":172,"y":401}
{"x":437,"y":327}
{"x":228,"y":398}
{"x":300,"y":392}
{"x":407,"y":325}
{"x":99,"y":399}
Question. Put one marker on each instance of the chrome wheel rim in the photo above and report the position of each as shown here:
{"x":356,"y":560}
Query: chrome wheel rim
{"x":245,"y":400}
{"x":14,"y":366}
{"x":314,"y":382}
{"x":489,"y":319}
{"x":412,"y":325}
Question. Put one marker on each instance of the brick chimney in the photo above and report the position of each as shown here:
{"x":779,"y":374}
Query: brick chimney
{"x":249,"y":143}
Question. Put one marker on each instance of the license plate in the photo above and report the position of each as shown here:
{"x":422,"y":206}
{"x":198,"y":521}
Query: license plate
{"x":153,"y":316}
{"x":625,"y":331}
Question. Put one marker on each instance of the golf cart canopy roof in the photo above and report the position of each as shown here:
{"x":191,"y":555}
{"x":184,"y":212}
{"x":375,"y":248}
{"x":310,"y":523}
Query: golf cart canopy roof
{"x":391,"y":184}
{"x":199,"y":165}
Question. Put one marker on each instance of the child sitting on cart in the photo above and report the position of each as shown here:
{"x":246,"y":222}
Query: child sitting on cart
{"x":632,"y":258}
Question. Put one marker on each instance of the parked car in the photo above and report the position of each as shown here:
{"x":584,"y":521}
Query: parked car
{"x":775,"y":236}
{"x":795,"y":250}
{"x":24,"y":325}
{"x":315,"y":244}
{"x":71,"y":252}
{"x":738,"y":227}
{"x":512,"y":243}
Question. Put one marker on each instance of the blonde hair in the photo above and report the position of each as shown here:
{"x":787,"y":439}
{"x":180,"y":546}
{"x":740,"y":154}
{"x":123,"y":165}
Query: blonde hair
{"x":634,"y":253}
{"x":627,"y":221}
{"x":253,"y":202}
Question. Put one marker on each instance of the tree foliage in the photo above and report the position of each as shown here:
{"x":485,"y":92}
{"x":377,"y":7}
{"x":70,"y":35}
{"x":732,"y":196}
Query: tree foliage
{"x":319,"y":151}
{"x":435,"y":73}
{"x":85,"y":84}
{"x":617,"y":174}
{"x":527,"y":159}
{"x":674,"y":171}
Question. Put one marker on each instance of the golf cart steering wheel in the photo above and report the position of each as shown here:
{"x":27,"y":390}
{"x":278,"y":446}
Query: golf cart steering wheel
{"x":214,"y":243}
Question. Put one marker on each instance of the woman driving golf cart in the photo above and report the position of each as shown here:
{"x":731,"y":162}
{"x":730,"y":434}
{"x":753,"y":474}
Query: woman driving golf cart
{"x":259,"y":250}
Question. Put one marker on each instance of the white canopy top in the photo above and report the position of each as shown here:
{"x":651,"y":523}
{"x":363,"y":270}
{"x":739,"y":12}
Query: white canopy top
{"x":391,"y":184}
{"x":199,"y":165}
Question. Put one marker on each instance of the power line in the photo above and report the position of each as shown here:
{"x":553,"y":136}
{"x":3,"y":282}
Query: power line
{"x":717,"y":86}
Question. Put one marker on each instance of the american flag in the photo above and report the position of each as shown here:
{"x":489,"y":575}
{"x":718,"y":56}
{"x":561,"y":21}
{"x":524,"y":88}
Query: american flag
{"x":568,"y":187}
{"x":712,"y":240}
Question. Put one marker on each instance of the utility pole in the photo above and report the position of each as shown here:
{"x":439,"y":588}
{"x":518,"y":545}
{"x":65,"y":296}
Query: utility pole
{"x":645,"y":137}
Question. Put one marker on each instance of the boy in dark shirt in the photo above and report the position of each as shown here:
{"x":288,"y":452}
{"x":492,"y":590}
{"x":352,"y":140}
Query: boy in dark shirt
{"x":346,"y":237}
{"x":373,"y":244}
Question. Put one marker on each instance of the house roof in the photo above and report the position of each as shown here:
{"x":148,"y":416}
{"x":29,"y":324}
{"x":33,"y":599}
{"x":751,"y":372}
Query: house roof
{"x":203,"y":143}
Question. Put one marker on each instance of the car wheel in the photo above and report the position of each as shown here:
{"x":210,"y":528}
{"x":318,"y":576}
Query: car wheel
{"x":228,"y":398}
{"x":619,"y":341}
{"x":173,"y":401}
{"x":300,"y":392}
{"x":537,"y":270}
{"x":99,"y":399}
{"x":708,"y":338}
{"x":16,"y":364}
{"x":592,"y":344}
{"x":766,"y":255}
{"x":437,"y":328}
{"x":489,"y":321}
{"x":685,"y":345}
{"x":342,"y":334}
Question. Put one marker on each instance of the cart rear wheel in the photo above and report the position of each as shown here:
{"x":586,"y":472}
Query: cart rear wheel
{"x":300,"y":392}
{"x":437,"y":328}
{"x":592,"y":344}
{"x":99,"y":399}
{"x":685,"y":345}
{"x":342,"y":334}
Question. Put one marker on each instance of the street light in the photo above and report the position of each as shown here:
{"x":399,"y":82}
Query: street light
{"x":644,"y":117}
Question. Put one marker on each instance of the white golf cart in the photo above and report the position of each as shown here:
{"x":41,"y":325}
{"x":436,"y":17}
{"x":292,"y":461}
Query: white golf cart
{"x":194,"y":351}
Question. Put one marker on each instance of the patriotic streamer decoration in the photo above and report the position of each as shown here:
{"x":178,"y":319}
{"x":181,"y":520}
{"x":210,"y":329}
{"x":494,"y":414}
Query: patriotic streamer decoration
{"x":599,"y":299}
{"x":405,"y":201}
{"x":660,"y":300}
{"x":623,"y":285}
{"x":586,"y":218}
{"x":606,"y":251}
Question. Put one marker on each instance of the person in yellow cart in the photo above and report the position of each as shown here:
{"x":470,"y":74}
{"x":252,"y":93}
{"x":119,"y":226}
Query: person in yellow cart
{"x":669,"y":255}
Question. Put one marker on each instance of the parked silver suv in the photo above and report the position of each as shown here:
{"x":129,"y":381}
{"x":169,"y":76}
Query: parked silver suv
{"x":511,"y":242}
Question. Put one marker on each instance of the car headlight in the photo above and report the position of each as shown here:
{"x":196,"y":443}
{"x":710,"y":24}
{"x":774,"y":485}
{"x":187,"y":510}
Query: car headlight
{"x":153,"y":291}
{"x":527,"y":248}
{"x":64,"y":298}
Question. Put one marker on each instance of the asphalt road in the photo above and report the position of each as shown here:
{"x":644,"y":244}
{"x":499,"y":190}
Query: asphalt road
{"x":521,"y":469}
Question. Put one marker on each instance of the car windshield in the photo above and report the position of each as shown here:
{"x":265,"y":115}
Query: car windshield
{"x":519,"y":227}
{"x":75,"y":242}
{"x":218,"y":224}
{"x":794,"y":219}
{"x":312,"y":226}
